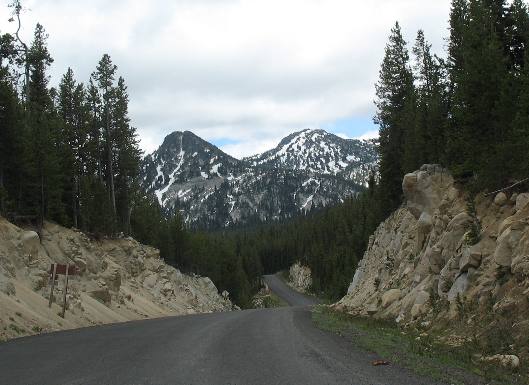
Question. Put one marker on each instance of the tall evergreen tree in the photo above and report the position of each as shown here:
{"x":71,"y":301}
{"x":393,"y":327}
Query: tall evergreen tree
{"x":9,"y":121}
{"x":431,"y":114}
{"x":105,"y":75}
{"x":128,"y":154}
{"x":395,"y":102}
{"x":74,"y":136}
{"x":45,"y":187}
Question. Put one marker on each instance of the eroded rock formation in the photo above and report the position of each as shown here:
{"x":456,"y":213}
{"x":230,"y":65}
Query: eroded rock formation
{"x":438,"y":263}
{"x":120,"y":280}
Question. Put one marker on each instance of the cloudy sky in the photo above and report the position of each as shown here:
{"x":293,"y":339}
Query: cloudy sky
{"x":239,"y":73}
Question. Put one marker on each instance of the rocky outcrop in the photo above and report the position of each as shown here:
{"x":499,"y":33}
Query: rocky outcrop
{"x":300,"y":277}
{"x":424,"y":266}
{"x":120,"y":279}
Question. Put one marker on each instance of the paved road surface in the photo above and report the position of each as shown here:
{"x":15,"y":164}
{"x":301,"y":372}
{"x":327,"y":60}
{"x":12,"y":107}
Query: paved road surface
{"x":293,"y":298}
{"x":269,"y":347}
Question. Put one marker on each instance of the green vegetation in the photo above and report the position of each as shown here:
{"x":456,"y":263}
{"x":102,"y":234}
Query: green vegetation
{"x":268,"y":300}
{"x":17,"y":329}
{"x":468,"y":112}
{"x":412,"y":349}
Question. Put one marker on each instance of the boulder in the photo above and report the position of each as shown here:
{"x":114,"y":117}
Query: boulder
{"x":459,"y":287}
{"x":167,"y":289}
{"x":435,"y":259}
{"x":113,"y":279}
{"x":520,"y":266}
{"x":506,"y":360}
{"x":471,"y":258}
{"x":424,"y":226}
{"x":30,"y":244}
{"x":521,"y":201}
{"x":503,"y":254}
{"x":459,"y":222}
{"x":421,"y":298}
{"x":390,"y":296}
{"x":424,"y":190}
{"x":357,"y":278}
{"x":500,"y":199}
{"x":417,"y":310}
{"x":150,"y":281}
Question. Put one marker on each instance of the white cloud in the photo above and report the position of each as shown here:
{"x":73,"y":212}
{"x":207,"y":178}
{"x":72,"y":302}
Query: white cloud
{"x":247,"y":70}
{"x":368,"y":135}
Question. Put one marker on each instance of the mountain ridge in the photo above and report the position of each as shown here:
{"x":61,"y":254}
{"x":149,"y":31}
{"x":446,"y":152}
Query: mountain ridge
{"x":308,"y":169}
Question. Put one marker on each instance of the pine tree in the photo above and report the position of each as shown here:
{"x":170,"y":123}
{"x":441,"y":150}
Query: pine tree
{"x":9,"y":122}
{"x":105,"y":75}
{"x":45,"y":187}
{"x":128,"y":154}
{"x":74,"y":136}
{"x":476,"y":125}
{"x":395,"y":99}
{"x":94,"y":147}
{"x":431,"y":114}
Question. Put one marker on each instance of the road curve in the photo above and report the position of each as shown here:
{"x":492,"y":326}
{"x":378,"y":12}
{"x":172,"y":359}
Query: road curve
{"x":269,"y":347}
{"x":291,"y":297}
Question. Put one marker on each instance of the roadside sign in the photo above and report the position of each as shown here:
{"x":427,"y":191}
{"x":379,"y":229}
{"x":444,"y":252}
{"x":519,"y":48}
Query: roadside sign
{"x":66,"y":270}
{"x":61,"y":269}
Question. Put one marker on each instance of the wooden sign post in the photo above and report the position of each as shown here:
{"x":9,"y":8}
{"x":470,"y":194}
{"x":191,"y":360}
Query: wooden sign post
{"x":65,"y":292}
{"x":54,"y":269}
{"x":65,"y":270}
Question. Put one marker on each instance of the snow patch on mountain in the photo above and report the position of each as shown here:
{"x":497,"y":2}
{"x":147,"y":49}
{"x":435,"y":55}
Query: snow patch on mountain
{"x":308,"y":169}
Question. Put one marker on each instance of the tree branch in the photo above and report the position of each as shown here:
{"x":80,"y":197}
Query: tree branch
{"x":507,"y":188}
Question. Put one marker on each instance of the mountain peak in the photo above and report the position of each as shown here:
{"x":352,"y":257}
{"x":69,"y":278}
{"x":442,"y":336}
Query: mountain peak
{"x":309,"y":168}
{"x":318,"y":151}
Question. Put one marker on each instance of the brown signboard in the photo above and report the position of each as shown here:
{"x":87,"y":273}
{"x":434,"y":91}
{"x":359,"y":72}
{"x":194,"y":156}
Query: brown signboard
{"x":61,"y":269}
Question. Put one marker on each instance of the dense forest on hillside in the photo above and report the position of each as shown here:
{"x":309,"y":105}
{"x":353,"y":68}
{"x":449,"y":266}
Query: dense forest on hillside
{"x":69,"y":154}
{"x":469,"y":112}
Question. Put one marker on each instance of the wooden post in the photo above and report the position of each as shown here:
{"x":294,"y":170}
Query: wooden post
{"x":65,"y":291}
{"x":52,"y":283}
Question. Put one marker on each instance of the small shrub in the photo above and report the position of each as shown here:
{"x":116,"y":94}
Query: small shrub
{"x":17,"y":329}
{"x":473,"y":234}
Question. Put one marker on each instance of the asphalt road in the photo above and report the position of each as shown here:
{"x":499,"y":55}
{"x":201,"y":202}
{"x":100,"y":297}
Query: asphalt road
{"x":271,"y":346}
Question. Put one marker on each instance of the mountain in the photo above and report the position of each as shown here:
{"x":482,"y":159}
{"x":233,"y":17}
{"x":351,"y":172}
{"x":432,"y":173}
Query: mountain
{"x":320,"y":152}
{"x":308,"y":169}
{"x":185,"y":160}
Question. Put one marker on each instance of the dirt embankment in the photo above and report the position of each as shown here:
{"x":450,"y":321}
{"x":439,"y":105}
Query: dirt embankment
{"x":119,"y":280}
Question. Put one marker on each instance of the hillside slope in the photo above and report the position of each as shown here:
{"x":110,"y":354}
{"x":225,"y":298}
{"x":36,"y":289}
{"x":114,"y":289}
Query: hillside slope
{"x":424,"y":267}
{"x":120,"y":280}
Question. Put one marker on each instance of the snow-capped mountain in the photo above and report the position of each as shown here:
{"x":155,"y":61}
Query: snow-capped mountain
{"x":184,"y":159}
{"x":318,"y":151}
{"x":308,"y":169}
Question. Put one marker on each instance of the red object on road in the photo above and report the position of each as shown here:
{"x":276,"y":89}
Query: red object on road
{"x":379,"y":363}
